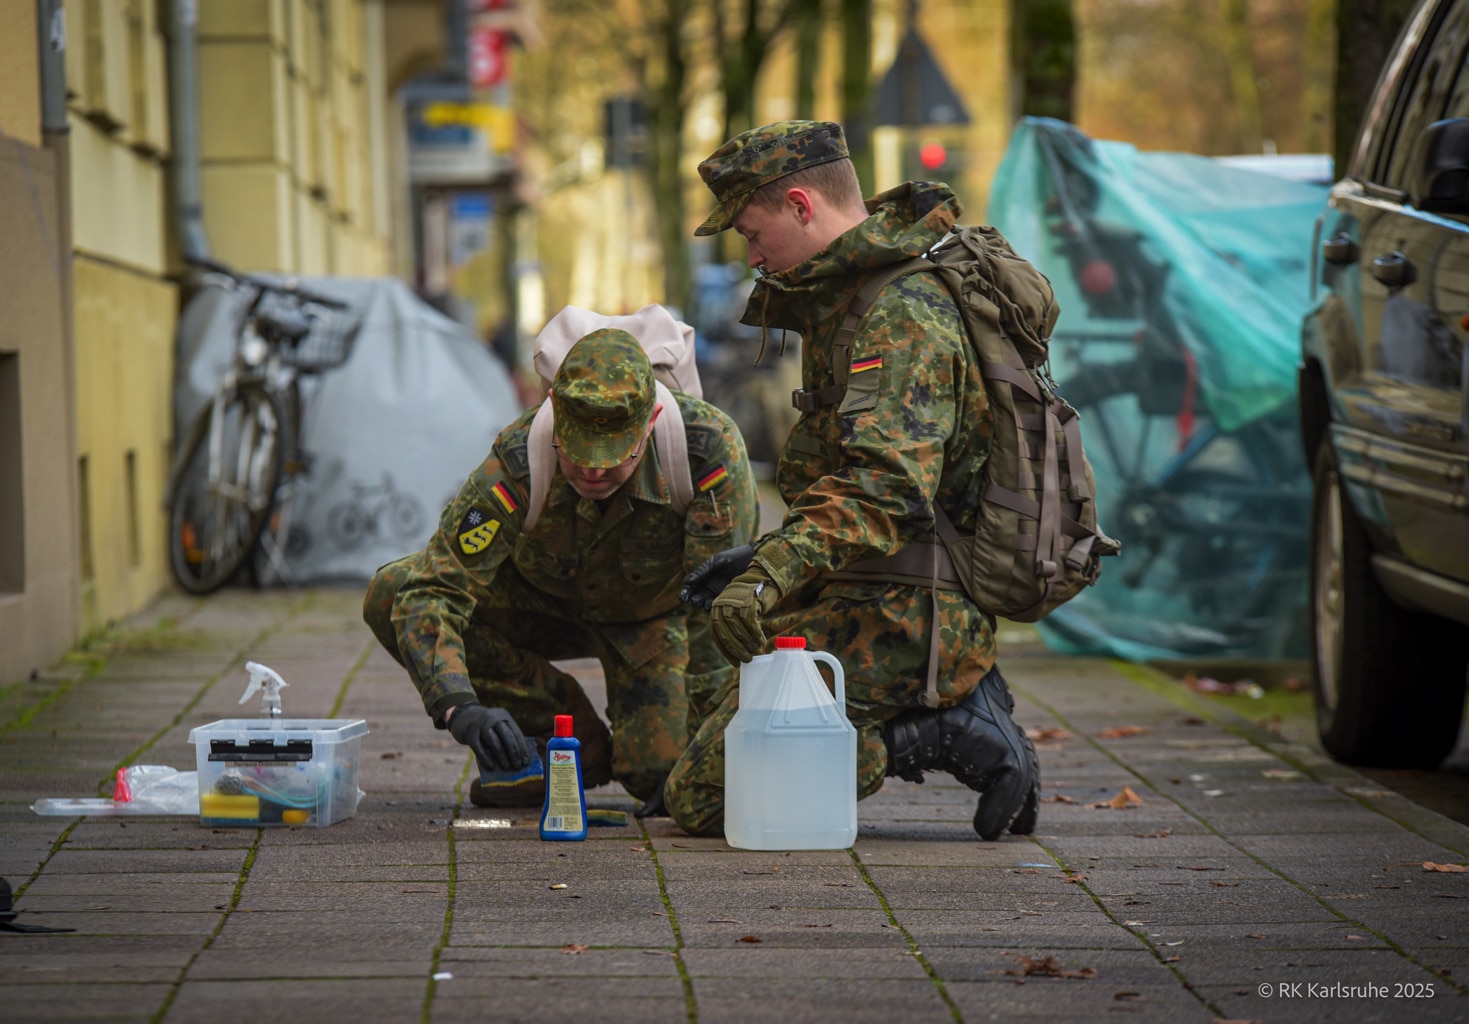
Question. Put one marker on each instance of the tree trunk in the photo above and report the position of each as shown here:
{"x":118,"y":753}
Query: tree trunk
{"x":1365,"y":31}
{"x":1243,"y":78}
{"x":1318,"y":57}
{"x":1042,"y":58}
{"x":808,"y":18}
{"x":857,"y":86}
{"x":666,"y":98}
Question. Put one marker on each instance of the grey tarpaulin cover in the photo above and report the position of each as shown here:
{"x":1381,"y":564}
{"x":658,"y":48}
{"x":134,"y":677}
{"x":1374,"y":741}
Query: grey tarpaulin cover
{"x":393,"y":432}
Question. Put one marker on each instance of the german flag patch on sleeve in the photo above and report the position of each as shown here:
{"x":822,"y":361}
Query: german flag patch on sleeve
{"x":713,"y":478}
{"x":870,"y":363}
{"x":504,"y":497}
{"x":476,"y":531}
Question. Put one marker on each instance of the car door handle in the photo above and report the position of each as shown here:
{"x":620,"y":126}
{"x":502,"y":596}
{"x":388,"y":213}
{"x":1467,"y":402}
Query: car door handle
{"x":1393,"y":269}
{"x":1340,"y":250}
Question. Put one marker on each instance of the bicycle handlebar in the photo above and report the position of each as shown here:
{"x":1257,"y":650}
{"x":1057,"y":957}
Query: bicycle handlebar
{"x":295,"y":291}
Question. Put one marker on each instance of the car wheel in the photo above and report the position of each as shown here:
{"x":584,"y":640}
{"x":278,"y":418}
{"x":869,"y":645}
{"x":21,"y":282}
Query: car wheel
{"x":1389,"y":683}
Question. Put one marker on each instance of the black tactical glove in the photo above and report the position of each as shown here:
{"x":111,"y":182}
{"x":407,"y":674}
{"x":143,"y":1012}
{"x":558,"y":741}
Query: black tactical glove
{"x":708,"y":581}
{"x":492,"y":734}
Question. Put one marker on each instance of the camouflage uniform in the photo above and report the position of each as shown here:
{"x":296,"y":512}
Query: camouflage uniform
{"x":859,"y":479}
{"x":479,"y":613}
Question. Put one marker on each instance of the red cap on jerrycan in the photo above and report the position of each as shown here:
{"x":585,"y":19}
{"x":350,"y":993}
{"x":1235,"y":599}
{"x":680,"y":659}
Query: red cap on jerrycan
{"x":790,"y":643}
{"x":563,"y":725}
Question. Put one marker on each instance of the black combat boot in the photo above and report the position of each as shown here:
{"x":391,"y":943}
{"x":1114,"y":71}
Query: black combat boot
{"x":978,"y":743}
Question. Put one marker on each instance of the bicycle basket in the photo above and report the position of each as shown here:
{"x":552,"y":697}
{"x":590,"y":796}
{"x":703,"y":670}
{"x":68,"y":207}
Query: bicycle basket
{"x":329,"y":342}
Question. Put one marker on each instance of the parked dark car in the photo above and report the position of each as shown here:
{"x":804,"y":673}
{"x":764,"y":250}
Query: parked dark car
{"x":1384,"y":389}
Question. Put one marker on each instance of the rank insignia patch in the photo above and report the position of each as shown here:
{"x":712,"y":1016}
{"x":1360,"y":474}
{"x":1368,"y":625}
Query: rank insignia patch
{"x":476,"y":531}
{"x":504,"y":497}
{"x":863,"y":365}
{"x":713,"y":478}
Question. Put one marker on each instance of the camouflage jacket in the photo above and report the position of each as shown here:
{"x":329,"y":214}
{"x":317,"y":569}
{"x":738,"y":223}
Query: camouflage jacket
{"x":614,"y":568}
{"x":860,"y":478}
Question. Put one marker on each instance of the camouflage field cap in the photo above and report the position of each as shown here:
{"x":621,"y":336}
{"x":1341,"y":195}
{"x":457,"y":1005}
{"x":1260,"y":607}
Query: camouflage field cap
{"x":757,"y":157}
{"x":603,"y":396}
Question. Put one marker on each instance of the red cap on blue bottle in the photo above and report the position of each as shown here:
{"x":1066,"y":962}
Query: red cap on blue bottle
{"x":563,"y":725}
{"x":790,"y":643}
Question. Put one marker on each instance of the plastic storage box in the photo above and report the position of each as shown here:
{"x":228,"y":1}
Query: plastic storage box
{"x":286,"y":771}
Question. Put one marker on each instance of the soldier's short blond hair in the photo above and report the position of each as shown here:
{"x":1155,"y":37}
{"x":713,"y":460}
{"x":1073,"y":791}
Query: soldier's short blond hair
{"x":836,"y":180}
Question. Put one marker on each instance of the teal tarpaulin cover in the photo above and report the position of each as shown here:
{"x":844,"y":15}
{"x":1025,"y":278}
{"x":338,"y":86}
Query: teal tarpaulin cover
{"x":1182,"y":281}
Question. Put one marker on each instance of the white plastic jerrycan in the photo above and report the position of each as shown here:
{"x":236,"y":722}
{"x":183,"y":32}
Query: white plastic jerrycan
{"x":790,"y":756}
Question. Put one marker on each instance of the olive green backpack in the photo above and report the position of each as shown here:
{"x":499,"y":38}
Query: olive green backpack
{"x":1037,"y":543}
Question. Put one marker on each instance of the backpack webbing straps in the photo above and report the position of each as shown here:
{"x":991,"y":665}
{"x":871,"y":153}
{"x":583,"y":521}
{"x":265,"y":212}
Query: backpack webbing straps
{"x":841,"y":348}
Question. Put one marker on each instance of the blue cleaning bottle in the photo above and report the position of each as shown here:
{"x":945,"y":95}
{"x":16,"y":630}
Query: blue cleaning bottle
{"x":564,"y":814}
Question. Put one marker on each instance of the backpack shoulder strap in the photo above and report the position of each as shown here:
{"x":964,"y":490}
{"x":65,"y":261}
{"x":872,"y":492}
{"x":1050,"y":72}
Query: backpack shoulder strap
{"x":672,"y":445}
{"x":669,"y":440}
{"x":841,"y":349}
{"x":542,"y":458}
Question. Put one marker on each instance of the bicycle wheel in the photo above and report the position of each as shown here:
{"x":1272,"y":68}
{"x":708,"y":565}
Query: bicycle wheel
{"x":1212,"y":523}
{"x":223,"y":488}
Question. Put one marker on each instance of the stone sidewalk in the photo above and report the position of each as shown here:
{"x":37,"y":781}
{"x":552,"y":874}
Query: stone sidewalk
{"x":1249,"y":879}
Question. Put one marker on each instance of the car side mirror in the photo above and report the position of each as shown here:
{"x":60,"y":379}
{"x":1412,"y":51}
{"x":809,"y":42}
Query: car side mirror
{"x":1440,"y":167}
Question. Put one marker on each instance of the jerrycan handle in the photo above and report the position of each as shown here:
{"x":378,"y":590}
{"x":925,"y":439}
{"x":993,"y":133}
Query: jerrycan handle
{"x":841,"y":678}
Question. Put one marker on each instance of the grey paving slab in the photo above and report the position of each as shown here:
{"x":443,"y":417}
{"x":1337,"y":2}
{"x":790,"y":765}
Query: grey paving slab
{"x":317,"y":962}
{"x":208,"y":1002}
{"x":818,"y":999}
{"x":526,"y":1002}
{"x":576,"y":962}
{"x":83,"y":1001}
{"x":790,"y":929}
{"x":1077,"y":1000}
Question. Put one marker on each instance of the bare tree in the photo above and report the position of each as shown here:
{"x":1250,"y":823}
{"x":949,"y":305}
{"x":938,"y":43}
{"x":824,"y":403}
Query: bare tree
{"x":1042,"y":58}
{"x":1365,"y":30}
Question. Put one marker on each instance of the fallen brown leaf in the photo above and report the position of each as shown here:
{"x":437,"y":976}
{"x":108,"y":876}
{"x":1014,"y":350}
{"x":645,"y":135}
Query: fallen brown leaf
{"x":750,"y":938}
{"x":1059,"y":798}
{"x":1257,"y":935}
{"x":1128,"y":997}
{"x":1051,"y":735}
{"x":388,"y":755}
{"x":1356,"y":938}
{"x":1453,"y":869}
{"x":1050,"y":969}
{"x":574,"y":948}
{"x":1162,"y":833}
{"x":1121,"y":731}
{"x":1172,"y":959}
{"x":1226,"y":885}
{"x":1123,"y":800}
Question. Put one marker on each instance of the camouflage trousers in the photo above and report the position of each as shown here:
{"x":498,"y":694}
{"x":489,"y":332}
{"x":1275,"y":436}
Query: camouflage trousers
{"x":517,"y":630}
{"x":881,"y":634}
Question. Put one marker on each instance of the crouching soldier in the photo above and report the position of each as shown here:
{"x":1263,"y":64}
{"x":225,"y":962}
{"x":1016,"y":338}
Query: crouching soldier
{"x":477,"y":616}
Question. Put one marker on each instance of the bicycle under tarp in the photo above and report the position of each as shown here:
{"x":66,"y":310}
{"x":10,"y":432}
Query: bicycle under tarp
{"x":231,"y":487}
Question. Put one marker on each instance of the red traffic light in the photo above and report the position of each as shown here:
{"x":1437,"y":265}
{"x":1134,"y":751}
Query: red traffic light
{"x":933,"y":155}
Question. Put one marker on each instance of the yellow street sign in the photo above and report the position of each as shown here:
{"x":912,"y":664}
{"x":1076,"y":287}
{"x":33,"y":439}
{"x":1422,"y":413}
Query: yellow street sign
{"x":498,"y":123}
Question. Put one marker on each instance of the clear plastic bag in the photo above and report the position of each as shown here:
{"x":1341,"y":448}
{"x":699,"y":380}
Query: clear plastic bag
{"x":140,"y":789}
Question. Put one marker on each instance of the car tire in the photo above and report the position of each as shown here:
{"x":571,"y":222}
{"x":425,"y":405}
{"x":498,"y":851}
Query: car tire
{"x":1389,"y":683}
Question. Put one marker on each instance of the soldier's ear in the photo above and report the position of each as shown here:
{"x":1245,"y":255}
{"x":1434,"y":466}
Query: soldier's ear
{"x":799,"y":201}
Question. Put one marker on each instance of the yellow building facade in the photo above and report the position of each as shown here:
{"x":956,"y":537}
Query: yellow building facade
{"x":294,"y":171}
{"x":38,"y":556}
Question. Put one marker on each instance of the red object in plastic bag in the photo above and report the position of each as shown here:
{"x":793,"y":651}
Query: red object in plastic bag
{"x":122,"y":793}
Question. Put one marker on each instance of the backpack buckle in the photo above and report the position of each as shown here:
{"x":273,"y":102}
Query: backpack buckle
{"x":805,"y":401}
